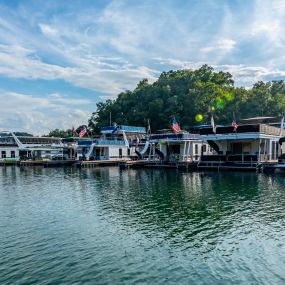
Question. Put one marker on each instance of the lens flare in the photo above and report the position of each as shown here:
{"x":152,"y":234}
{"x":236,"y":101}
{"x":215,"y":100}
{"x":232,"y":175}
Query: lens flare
{"x":220,"y":103}
{"x":199,"y":117}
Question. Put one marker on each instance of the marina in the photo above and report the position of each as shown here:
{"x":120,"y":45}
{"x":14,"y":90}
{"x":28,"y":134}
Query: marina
{"x":142,"y":142}
{"x":256,"y":145}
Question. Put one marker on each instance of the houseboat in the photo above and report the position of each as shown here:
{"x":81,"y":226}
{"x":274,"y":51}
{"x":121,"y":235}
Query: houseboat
{"x":115,"y":143}
{"x":176,"y":149}
{"x":251,"y":146}
{"x":16,"y":148}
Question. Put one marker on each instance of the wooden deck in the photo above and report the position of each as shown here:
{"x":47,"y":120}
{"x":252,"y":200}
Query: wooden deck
{"x":8,"y":162}
{"x":46,"y":163}
{"x":190,"y":166}
{"x":157,"y":164}
{"x":56,"y":163}
{"x":97,"y":163}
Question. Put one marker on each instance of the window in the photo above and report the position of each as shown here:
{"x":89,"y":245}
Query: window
{"x":12,"y":154}
{"x":129,"y":151}
{"x":3,"y":154}
{"x":204,"y":148}
{"x":120,"y":153}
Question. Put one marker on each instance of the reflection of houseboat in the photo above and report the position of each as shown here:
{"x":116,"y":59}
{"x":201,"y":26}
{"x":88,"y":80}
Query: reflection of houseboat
{"x":17,"y":148}
{"x":253,"y":145}
{"x":115,"y":143}
{"x":171,"y":148}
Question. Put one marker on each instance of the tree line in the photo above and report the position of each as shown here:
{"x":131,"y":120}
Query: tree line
{"x":190,"y":96}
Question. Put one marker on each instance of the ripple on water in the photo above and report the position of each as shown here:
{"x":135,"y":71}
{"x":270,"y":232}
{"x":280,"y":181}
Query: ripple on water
{"x":106,"y":226}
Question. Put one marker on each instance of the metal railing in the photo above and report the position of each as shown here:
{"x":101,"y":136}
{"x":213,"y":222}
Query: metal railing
{"x":109,"y":142}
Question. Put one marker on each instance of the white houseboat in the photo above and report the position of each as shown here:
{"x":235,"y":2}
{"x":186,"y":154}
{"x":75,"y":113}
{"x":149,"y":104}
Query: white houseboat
{"x":115,"y":143}
{"x":251,"y":146}
{"x":15,"y":148}
{"x":170,"y":148}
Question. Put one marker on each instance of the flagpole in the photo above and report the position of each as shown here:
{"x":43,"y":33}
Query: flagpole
{"x":148,"y":127}
{"x":213,"y":123}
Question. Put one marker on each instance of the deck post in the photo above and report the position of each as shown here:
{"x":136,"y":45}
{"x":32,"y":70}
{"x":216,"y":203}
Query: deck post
{"x":184,"y":150}
{"x":265,"y":150}
{"x":259,"y":150}
{"x":188,"y":150}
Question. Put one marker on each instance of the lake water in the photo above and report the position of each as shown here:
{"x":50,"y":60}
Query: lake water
{"x":108,"y":226}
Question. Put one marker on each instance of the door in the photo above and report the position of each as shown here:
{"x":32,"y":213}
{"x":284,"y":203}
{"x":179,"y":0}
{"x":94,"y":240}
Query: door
{"x":237,"y":148}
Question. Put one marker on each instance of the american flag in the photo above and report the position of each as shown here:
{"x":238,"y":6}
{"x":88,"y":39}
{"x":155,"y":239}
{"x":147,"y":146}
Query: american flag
{"x":175,"y":126}
{"x":82,"y":132}
{"x":234,"y":125}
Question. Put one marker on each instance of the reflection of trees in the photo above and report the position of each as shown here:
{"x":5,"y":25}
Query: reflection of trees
{"x":196,"y":210}
{"x":174,"y":207}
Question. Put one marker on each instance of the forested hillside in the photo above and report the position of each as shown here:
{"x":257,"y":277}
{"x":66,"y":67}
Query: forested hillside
{"x":190,"y":96}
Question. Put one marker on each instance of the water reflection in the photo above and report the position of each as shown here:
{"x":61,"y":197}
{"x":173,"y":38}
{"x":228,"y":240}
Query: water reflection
{"x":187,"y":210}
{"x":136,"y":226}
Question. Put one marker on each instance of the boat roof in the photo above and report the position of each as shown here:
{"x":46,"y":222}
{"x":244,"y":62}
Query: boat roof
{"x":204,"y":126}
{"x":173,"y":137}
{"x":122,"y":128}
{"x":242,"y":130}
{"x":262,"y":120}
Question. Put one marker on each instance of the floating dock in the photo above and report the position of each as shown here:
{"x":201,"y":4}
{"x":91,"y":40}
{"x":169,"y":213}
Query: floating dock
{"x":46,"y":163}
{"x":181,"y":165}
{"x":96,"y":163}
{"x":250,"y":167}
{"x":55,"y":163}
{"x":8,"y":162}
{"x":268,"y":167}
{"x":157,"y":164}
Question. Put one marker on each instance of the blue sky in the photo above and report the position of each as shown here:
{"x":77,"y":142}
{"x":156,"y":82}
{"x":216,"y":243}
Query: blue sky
{"x":58,"y":58}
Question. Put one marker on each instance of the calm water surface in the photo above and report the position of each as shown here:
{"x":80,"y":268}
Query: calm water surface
{"x":106,"y":226}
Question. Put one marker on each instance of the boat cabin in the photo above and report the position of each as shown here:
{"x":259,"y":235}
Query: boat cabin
{"x":115,"y":143}
{"x":14,"y":147}
{"x":172,"y":148}
{"x":249,"y":145}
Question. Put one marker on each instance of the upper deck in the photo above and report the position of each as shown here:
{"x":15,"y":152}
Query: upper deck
{"x":29,"y":141}
{"x":243,"y":131}
{"x":173,"y":137}
{"x":121,"y":128}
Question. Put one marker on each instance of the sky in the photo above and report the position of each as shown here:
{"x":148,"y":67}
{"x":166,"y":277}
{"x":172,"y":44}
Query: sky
{"x":59,"y":58}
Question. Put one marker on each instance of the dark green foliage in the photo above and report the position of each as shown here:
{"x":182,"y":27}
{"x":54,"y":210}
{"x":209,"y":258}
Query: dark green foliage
{"x":185,"y":93}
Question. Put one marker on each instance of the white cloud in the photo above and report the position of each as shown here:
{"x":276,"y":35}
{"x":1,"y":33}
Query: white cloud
{"x":243,"y":75}
{"x":39,"y":115}
{"x":111,"y":49}
{"x":48,"y":30}
{"x":19,"y":62}
{"x":221,"y":44}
